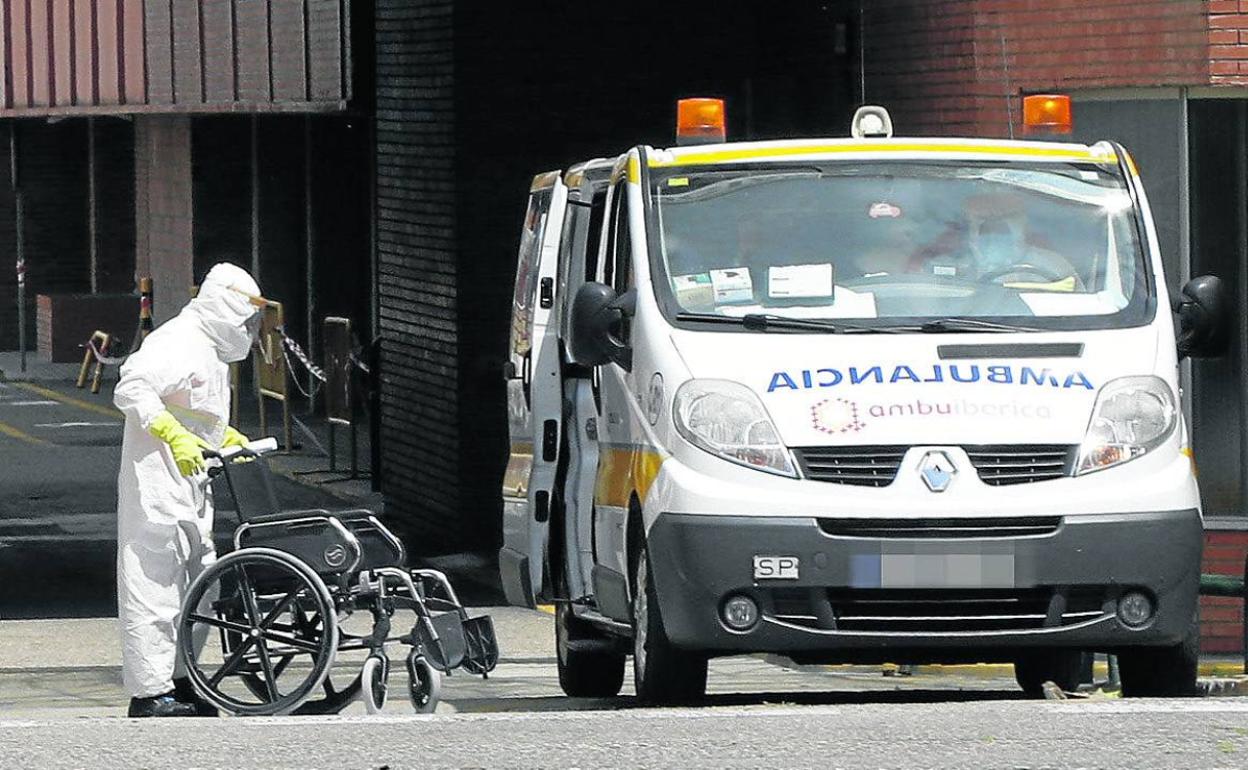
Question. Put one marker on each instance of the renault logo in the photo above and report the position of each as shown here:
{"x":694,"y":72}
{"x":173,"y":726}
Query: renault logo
{"x":937,"y":470}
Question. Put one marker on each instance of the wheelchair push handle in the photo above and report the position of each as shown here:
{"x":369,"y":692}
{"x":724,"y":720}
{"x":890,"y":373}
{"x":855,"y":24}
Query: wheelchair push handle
{"x":236,"y":453}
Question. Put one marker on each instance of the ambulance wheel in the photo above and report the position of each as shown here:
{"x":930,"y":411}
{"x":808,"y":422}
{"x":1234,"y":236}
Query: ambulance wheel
{"x":424,"y":687}
{"x":662,"y":674}
{"x":373,"y":679}
{"x":1161,"y":672}
{"x":1063,"y":668}
{"x":589,"y":665}
{"x":245,"y":621}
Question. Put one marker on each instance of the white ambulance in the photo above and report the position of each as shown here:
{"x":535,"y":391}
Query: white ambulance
{"x":853,"y":400}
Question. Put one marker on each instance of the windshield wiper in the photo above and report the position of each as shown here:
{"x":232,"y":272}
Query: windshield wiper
{"x":766,"y":322}
{"x":943,"y":325}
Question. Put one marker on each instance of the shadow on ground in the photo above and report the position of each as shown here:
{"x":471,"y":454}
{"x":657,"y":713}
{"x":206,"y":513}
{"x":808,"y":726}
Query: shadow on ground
{"x":803,"y":698}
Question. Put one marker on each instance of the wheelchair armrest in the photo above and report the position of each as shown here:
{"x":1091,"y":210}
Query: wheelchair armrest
{"x":270,"y":518}
{"x":349,"y":515}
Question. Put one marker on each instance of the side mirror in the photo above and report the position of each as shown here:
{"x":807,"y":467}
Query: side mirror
{"x":599,"y":326}
{"x":1201,"y":307}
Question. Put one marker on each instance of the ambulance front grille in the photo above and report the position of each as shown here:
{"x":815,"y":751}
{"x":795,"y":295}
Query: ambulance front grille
{"x":877,"y":466}
{"x":1021,"y":463}
{"x":864,"y":466}
{"x":959,"y":528}
{"x":937,"y":610}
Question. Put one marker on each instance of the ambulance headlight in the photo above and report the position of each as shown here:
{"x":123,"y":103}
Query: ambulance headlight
{"x":1132,"y":416}
{"x":726,"y":419}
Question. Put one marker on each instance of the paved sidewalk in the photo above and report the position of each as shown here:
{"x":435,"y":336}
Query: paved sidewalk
{"x":55,"y":669}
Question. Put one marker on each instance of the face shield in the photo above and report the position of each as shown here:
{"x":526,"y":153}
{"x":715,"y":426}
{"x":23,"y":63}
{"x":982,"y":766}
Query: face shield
{"x":229,"y":307}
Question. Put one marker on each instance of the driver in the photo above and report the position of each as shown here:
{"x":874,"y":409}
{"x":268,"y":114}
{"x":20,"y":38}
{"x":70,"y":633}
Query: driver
{"x":1004,"y":249}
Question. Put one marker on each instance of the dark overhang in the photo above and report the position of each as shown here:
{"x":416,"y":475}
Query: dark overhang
{"x":92,"y":57}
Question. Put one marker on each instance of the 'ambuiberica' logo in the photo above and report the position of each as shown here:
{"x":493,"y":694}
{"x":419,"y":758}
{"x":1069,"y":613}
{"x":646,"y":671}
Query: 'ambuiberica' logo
{"x":843,"y":415}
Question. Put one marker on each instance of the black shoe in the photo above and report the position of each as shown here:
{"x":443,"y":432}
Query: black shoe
{"x":184,"y":691}
{"x":166,"y":705}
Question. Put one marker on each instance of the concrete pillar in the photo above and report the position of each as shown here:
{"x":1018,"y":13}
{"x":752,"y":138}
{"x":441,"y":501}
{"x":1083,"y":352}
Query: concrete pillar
{"x":164,"y":236}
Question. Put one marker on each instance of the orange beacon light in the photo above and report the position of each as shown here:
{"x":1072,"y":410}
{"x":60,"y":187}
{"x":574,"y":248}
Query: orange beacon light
{"x":1047,"y":114}
{"x":700,"y":121}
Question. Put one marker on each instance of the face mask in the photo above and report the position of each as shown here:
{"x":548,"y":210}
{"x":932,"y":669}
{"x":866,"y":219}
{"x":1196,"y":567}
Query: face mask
{"x":252,"y":325}
{"x":998,"y":250}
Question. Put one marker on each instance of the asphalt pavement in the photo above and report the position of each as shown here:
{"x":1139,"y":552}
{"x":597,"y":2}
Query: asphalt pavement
{"x":59,"y":452}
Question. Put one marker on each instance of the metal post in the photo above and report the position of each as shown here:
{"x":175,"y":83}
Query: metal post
{"x":255,"y":199}
{"x":355,"y":449}
{"x":1241,"y":285}
{"x":333,"y":448}
{"x":19,"y":215}
{"x":309,"y":240}
{"x":92,"y":221}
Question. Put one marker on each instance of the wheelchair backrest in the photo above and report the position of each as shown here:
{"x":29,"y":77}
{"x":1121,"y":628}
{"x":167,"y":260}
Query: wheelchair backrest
{"x":251,"y":486}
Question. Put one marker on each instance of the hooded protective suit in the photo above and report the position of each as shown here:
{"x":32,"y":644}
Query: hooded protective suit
{"x":164,"y":531}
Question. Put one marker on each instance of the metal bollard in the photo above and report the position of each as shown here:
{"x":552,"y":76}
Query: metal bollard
{"x":145,"y":307}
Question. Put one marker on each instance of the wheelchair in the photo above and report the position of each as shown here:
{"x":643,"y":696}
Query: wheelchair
{"x":261,"y":628}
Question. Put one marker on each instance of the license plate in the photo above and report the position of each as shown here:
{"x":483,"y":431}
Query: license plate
{"x":932,"y":570}
{"x":775,"y":567}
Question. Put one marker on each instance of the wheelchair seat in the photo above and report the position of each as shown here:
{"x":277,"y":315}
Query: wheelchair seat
{"x":331,"y":542}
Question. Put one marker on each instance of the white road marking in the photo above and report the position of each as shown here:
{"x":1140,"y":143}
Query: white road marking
{"x":29,"y":403}
{"x":77,"y":424}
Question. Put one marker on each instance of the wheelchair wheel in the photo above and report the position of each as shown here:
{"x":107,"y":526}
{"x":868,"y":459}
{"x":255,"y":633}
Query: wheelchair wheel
{"x":424,"y":683}
{"x":373,"y":683}
{"x":276,"y":632}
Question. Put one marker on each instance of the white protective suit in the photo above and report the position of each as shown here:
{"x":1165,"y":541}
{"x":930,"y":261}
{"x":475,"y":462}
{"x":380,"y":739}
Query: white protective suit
{"x":164,"y":520}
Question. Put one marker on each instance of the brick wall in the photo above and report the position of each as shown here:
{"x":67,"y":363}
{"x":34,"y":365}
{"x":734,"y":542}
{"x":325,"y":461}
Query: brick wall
{"x":1221,"y":618}
{"x":958,"y":66}
{"x":1228,"y":42}
{"x":418,"y":283}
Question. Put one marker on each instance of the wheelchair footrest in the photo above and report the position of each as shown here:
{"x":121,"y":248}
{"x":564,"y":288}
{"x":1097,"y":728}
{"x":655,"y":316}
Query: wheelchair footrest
{"x":481,"y":655}
{"x":441,"y":638}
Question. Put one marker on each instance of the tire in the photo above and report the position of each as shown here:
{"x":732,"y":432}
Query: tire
{"x":1162,"y":672}
{"x":373,"y":678}
{"x":585,"y":673}
{"x":1063,"y":668}
{"x":662,"y":674}
{"x":424,"y":687}
{"x":267,"y":608}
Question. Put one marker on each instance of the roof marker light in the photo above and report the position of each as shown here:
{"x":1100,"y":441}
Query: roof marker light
{"x":1047,"y":114}
{"x":871,"y":122}
{"x":700,"y":121}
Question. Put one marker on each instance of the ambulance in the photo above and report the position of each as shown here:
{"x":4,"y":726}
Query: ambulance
{"x":853,"y":400}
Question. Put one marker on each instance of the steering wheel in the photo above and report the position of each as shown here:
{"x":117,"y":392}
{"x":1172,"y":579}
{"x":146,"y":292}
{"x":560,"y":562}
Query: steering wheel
{"x":1024,"y":269}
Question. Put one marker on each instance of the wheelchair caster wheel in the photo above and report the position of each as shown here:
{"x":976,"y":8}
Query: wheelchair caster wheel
{"x":373,"y":683}
{"x":424,"y":684}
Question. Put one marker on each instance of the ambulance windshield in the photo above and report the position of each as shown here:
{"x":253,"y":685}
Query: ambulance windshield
{"x":1054,"y":246}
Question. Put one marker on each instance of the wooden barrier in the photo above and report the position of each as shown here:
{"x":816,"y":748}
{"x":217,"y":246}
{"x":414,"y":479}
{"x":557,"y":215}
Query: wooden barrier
{"x":270,"y":368}
{"x":101,"y":342}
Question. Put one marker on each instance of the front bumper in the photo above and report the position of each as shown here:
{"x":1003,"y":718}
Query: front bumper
{"x":1054,"y":586}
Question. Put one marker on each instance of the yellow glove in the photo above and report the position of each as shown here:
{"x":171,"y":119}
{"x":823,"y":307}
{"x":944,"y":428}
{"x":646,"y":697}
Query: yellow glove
{"x":234,"y":438}
{"x":187,"y":447}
